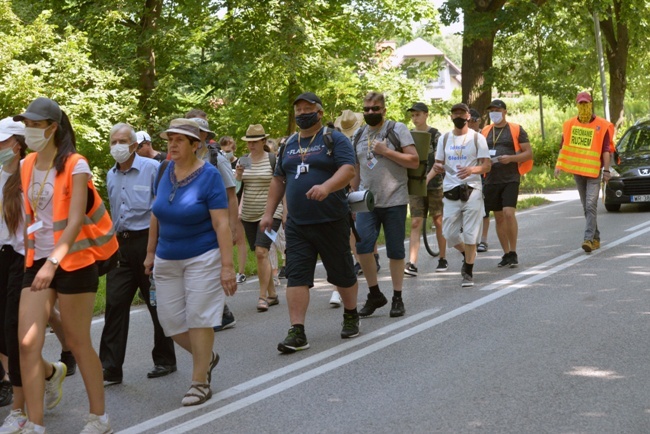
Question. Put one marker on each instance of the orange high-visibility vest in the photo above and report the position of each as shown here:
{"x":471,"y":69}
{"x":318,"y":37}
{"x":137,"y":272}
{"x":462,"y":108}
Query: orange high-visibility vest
{"x":582,"y":146}
{"x":96,"y":240}
{"x":525,"y":166}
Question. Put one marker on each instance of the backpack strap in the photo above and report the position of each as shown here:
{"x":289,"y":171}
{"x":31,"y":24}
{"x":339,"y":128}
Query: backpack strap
{"x":357,"y":137}
{"x":161,"y":170}
{"x":392,"y":137}
{"x":329,"y":141}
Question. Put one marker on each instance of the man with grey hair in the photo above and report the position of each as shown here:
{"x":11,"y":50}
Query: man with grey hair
{"x":130,"y":185}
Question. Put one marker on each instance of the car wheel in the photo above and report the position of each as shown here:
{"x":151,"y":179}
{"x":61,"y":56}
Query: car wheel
{"x":613,"y":207}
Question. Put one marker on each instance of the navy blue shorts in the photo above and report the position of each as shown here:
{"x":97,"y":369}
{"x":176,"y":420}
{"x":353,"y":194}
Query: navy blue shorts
{"x":393,"y":219}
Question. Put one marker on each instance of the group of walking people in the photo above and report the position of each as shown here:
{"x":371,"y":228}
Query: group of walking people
{"x":175,"y":217}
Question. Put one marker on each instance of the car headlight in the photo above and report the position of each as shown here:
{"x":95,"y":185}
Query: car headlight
{"x":613,"y":173}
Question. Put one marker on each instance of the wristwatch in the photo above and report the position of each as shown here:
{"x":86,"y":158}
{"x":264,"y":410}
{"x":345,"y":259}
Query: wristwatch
{"x":53,"y":261}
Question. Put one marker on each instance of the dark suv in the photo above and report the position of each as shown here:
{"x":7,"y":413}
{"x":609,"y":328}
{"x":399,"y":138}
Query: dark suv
{"x":630,"y":181}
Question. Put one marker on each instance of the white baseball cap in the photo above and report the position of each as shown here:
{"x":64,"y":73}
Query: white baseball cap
{"x":9,"y":127}
{"x":142,"y":136}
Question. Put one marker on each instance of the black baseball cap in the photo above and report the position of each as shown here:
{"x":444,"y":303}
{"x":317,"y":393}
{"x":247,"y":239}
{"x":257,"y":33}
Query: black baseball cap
{"x":497,"y":103}
{"x":460,"y":106}
{"x":309,"y":97}
{"x":41,"y":109}
{"x":474,"y":113}
{"x":419,"y":107}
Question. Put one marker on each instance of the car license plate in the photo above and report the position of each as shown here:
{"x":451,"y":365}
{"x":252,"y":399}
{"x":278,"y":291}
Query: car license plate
{"x":641,"y":198}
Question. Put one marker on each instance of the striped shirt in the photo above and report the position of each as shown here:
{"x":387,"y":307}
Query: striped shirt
{"x":257,"y":181}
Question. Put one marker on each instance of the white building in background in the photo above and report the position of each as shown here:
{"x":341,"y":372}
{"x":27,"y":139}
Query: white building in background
{"x":449,"y":77}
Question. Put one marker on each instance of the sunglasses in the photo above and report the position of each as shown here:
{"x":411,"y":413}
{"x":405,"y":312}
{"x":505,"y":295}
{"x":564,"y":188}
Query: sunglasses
{"x":374,"y":108}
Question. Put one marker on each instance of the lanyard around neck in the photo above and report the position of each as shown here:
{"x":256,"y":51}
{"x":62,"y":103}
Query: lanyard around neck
{"x":303,"y":152}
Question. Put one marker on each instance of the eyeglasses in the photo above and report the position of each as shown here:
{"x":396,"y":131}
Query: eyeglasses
{"x":374,"y":108}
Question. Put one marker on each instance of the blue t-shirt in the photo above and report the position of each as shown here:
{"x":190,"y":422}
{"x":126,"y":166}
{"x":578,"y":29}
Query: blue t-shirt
{"x":184,"y":224}
{"x":322,"y":167}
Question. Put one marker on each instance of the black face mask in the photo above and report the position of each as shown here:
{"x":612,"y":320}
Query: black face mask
{"x":307,"y":120}
{"x":373,"y":119}
{"x":459,"y":122}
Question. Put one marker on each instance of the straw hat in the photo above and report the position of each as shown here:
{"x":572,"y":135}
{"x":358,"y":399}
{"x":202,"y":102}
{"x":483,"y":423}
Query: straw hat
{"x":348,"y":122}
{"x":182,"y":126}
{"x":255,"y":132}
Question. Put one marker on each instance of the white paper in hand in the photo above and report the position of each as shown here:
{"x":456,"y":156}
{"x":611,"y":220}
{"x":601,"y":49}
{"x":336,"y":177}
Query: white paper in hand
{"x":271,"y":234}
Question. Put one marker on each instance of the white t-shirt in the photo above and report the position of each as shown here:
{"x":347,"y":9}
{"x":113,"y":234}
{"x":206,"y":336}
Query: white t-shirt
{"x":44,"y":207}
{"x":16,"y":240}
{"x":461,"y":151}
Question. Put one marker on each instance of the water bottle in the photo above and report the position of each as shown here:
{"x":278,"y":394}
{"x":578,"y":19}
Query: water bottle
{"x":152,"y":291}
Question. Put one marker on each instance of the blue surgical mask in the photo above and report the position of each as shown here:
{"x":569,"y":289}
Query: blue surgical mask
{"x":6,"y":155}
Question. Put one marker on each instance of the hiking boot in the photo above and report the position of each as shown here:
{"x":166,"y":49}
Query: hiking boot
{"x":377,"y":262}
{"x":372,"y":304}
{"x":227,"y":320}
{"x":350,"y":326}
{"x":14,"y":422}
{"x":397,"y":308}
{"x":595,"y":244}
{"x":514,"y":260}
{"x":482,"y":247}
{"x":505,"y":260}
{"x":94,"y":425}
{"x":241,"y":278}
{"x":410,"y":270}
{"x":587,"y":246}
{"x":70,"y":362}
{"x":296,"y":340}
{"x":6,"y":393}
{"x":442,"y":265}
{"x":357,"y":269}
{"x":54,"y":386}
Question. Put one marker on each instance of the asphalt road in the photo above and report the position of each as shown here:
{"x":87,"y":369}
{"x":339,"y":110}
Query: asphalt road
{"x":558,"y":345}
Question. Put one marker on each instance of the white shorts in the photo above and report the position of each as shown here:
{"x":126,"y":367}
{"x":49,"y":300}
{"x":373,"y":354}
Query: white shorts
{"x":189,"y":293}
{"x":467,"y":215}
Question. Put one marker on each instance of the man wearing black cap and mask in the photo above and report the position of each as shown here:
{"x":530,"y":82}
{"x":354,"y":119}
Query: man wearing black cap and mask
{"x":314,"y":178}
{"x":462,"y":155}
{"x":512,"y":156}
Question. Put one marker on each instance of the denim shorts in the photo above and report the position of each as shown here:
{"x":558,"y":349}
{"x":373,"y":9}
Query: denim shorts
{"x":393,"y":220}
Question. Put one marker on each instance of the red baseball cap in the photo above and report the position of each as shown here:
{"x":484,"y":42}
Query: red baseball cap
{"x":583,"y":97}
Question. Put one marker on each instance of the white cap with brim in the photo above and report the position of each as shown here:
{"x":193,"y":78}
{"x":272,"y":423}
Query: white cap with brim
{"x":9,"y":127}
{"x":142,"y":136}
{"x":182,"y":126}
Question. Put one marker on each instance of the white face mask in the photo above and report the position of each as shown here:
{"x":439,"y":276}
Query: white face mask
{"x":35,"y":138}
{"x":6,"y":155}
{"x":229,"y":155}
{"x":496,"y":117}
{"x":121,"y":152}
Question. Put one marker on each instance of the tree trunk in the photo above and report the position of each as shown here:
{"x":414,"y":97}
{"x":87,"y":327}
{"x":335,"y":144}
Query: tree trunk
{"x":146,"y":54}
{"x":477,"y":61}
{"x":617,"y":49}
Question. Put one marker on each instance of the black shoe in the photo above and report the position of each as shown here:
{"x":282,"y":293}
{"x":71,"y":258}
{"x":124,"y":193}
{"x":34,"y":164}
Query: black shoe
{"x":514,"y":260}
{"x":442,"y":265}
{"x":110,"y":378}
{"x":410,"y":270}
{"x":350,"y":326}
{"x":7,"y":393}
{"x":70,"y":362}
{"x":505,"y":260}
{"x":397,"y":308}
{"x":282,"y":273}
{"x":161,"y":371}
{"x":377,"y":262}
{"x":357,"y":269}
{"x":372,"y":304}
{"x":296,"y":340}
{"x":227,"y":320}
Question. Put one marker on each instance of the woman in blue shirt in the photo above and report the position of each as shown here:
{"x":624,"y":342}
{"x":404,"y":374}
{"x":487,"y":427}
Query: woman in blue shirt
{"x":190,"y":245}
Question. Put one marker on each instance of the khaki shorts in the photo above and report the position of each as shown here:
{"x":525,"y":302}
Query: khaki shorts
{"x":433,"y":201}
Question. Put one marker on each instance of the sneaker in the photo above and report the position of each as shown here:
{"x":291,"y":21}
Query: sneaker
{"x":372,"y":304}
{"x":514,"y":260}
{"x":227,"y":320}
{"x":377,"y":262}
{"x":94,"y":425}
{"x":410,"y":270}
{"x":54,"y":387}
{"x":595,"y":244}
{"x":397,"y":308}
{"x":505,"y":260}
{"x":350,"y":326}
{"x":335,"y":300}
{"x":357,"y":269}
{"x":32,"y":428}
{"x":282,"y":274}
{"x":241,"y":278}
{"x":14,"y":422}
{"x":6,"y":393}
{"x":468,"y":280}
{"x":296,"y":340}
{"x":587,"y":246}
{"x":70,"y":362}
{"x":442,"y":265}
{"x":482,"y":247}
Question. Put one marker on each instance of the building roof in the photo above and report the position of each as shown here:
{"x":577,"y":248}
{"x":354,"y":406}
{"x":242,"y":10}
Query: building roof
{"x":418,"y":48}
